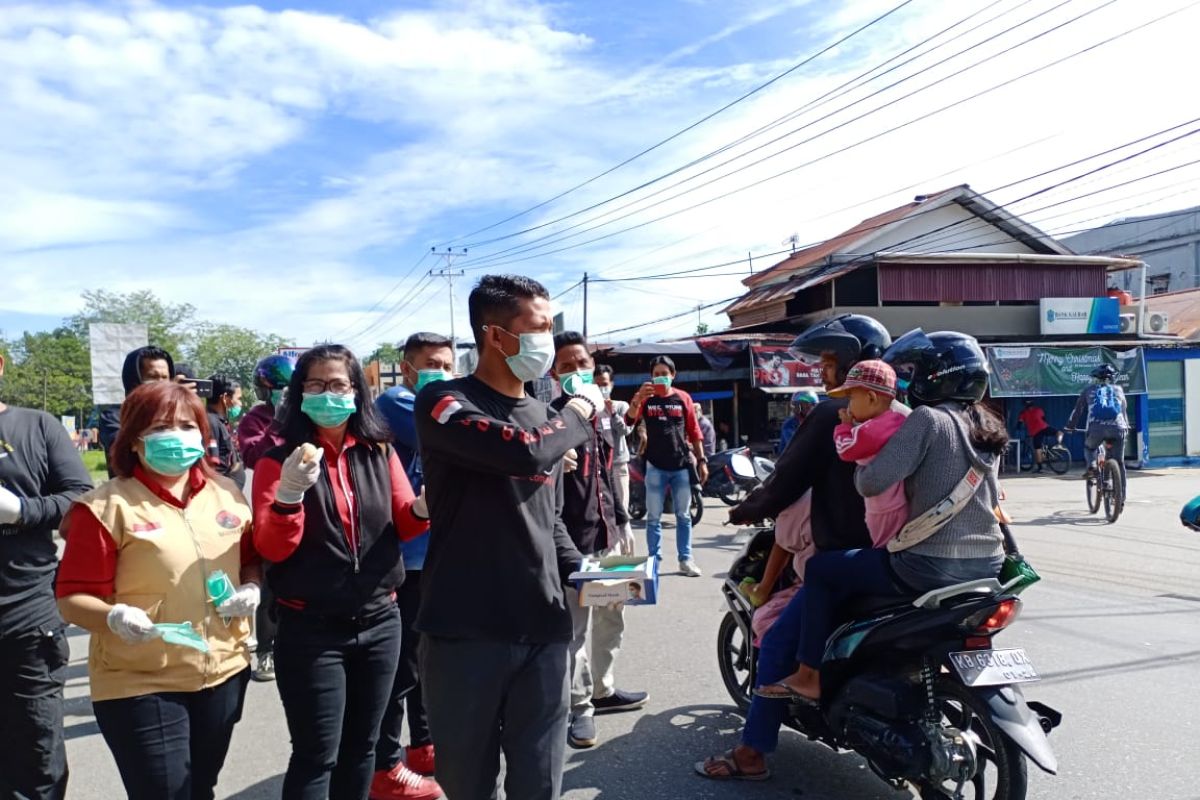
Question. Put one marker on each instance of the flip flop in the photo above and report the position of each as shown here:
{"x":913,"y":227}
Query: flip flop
{"x":781,"y":691}
{"x":732,"y":771}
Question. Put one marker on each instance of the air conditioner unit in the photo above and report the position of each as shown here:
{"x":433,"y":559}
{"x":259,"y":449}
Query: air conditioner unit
{"x":1129,"y":323}
{"x":1156,"y":322}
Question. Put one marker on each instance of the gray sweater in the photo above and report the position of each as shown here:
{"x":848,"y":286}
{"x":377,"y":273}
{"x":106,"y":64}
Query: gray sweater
{"x":928,"y":454}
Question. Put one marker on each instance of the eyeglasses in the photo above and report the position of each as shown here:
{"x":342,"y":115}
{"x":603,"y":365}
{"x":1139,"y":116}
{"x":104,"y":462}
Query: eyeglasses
{"x":337,"y":386}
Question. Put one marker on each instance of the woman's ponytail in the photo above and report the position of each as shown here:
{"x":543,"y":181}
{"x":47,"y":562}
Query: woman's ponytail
{"x":988,"y":434}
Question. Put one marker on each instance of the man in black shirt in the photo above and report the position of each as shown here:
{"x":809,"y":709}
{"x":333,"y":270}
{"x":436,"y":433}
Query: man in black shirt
{"x":494,"y":621}
{"x":596,"y":523}
{"x":40,"y":474}
{"x":224,"y":408}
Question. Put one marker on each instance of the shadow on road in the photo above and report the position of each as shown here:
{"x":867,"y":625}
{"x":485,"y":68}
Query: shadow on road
{"x":269,"y":789}
{"x":1165,"y":661}
{"x":656,"y":760}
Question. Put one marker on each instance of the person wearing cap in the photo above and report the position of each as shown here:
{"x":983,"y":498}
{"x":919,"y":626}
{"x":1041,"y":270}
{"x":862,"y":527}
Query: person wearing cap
{"x":868,"y":423}
{"x":803,"y":402}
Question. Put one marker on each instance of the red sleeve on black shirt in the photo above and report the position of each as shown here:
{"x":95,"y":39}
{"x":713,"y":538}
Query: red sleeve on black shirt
{"x":276,"y":534}
{"x":89,"y":563}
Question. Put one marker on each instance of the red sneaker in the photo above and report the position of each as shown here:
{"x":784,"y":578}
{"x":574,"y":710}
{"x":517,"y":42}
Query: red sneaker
{"x":420,"y":759}
{"x":401,"y":783}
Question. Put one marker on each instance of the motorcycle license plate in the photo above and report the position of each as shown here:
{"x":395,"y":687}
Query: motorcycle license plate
{"x":993,"y":667}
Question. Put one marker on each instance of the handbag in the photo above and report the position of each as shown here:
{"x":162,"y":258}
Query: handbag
{"x":1016,"y":574}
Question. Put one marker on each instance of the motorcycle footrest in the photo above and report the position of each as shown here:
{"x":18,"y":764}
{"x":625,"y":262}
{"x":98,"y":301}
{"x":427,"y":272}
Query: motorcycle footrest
{"x":1047,"y":716}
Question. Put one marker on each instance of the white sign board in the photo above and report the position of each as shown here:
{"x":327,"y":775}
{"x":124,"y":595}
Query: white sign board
{"x":68,"y":422}
{"x":290,"y":352}
{"x":110,"y":343}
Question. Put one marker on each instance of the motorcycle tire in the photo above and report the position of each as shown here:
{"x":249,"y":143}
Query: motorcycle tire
{"x":696,"y":512}
{"x":735,"y":656}
{"x":733,"y":498}
{"x":637,"y":508}
{"x":1003,"y":772}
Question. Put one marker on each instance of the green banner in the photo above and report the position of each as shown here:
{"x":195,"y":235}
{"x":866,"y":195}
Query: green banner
{"x":1049,"y":371}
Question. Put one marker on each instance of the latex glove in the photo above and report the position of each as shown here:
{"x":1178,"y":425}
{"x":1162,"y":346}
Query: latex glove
{"x":300,"y":471}
{"x":420,"y":506}
{"x":10,"y":507}
{"x":243,"y":603}
{"x":132,"y":624}
{"x":570,"y":460}
{"x":625,"y":544}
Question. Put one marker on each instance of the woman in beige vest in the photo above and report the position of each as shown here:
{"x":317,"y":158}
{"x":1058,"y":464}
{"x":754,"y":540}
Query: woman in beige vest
{"x":140,"y":550}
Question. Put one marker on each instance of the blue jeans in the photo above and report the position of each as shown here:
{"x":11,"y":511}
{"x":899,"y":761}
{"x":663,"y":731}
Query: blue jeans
{"x":776,"y":660}
{"x":680,"y":484}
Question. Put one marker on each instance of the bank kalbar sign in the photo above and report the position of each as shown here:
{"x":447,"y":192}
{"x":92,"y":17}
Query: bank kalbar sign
{"x":1080,"y":315}
{"x":1057,"y":371}
{"x":772,"y":366}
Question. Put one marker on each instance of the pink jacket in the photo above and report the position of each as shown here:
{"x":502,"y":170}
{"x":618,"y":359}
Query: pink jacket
{"x":886,"y":513}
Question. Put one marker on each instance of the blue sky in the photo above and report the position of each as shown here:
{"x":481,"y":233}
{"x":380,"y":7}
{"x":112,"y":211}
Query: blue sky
{"x":286,"y":165}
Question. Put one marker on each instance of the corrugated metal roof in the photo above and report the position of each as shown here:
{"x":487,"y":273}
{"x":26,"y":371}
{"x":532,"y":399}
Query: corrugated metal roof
{"x":1183,"y":310}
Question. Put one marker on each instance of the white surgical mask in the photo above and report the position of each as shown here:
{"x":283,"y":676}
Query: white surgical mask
{"x":534,"y":358}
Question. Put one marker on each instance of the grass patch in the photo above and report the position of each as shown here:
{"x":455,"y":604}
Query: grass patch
{"x":96,"y":465}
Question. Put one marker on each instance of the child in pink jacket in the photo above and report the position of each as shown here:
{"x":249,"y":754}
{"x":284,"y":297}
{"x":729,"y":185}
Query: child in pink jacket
{"x":867,"y":424}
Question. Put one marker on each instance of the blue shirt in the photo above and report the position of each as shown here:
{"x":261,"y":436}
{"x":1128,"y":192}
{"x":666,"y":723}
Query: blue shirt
{"x":396,"y":406}
{"x":786,"y":433}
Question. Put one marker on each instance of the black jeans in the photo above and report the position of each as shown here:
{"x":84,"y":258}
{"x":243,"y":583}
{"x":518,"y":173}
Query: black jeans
{"x":486,"y":697}
{"x":172,"y":745}
{"x":33,"y":758}
{"x":334,"y":678}
{"x":406,"y":691}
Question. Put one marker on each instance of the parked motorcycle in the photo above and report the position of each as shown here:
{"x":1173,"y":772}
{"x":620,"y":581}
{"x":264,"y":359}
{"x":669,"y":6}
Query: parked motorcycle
{"x":914,"y":687}
{"x":733,"y":474}
{"x":637,"y":494}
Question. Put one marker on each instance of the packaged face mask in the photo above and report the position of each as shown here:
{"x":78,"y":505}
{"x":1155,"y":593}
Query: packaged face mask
{"x":183,"y":634}
{"x":220,"y":588}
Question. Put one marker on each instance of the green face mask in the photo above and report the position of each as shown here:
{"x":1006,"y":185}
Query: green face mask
{"x":662,"y":380}
{"x":328,"y":410}
{"x":276,"y":397}
{"x":428,"y":376}
{"x":182,"y":633}
{"x":571,"y":381}
{"x":172,"y":452}
{"x":235,"y":412}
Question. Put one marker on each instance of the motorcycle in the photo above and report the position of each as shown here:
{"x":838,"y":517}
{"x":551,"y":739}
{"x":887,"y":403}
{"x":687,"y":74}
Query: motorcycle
{"x":733,"y":474}
{"x":914,"y":687}
{"x":637,"y":494}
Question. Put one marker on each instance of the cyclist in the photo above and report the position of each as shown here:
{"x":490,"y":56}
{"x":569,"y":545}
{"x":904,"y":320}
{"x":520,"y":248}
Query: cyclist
{"x":1106,"y":410}
{"x":1034,"y":420}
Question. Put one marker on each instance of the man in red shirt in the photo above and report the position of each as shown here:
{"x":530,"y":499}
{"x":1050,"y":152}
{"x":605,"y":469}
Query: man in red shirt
{"x":1034,"y":420}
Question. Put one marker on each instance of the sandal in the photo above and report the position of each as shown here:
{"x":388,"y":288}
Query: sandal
{"x":732,"y":772}
{"x":781,"y":691}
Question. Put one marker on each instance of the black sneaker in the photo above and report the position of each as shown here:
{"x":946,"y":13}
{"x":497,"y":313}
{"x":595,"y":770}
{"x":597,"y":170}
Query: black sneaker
{"x":619,"y":701}
{"x":581,"y":733}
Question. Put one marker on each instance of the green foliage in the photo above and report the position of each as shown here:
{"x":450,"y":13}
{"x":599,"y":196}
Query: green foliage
{"x":49,"y":370}
{"x":386,"y":354}
{"x":230,"y":350}
{"x":168,"y":326}
{"x":702,"y":329}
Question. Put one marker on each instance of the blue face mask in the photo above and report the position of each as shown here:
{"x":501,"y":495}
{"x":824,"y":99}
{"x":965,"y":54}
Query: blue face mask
{"x":172,"y":452}
{"x":328,"y":410}
{"x":428,"y":376}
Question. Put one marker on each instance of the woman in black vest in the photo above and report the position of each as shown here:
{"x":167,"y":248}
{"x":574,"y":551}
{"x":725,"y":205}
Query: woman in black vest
{"x":331,"y":505}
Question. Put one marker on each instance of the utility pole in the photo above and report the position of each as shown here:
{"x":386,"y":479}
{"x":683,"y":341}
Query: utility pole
{"x":449,"y":274}
{"x":585,"y":299}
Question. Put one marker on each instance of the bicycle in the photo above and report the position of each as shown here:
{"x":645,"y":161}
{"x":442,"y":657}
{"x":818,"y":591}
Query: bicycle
{"x":1055,"y":456}
{"x":1104,"y":484}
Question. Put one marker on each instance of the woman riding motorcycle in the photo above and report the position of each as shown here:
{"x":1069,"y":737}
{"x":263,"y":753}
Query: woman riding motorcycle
{"x":810,"y":461}
{"x":948,"y":435}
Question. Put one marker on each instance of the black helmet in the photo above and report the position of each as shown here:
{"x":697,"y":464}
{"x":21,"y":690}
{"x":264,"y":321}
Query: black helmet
{"x":851,"y":338}
{"x":941,"y":366}
{"x":1104,"y":372}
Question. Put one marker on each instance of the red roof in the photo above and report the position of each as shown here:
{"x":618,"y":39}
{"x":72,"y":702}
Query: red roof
{"x":841,"y":243}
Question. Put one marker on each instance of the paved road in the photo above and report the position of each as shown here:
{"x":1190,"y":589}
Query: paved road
{"x":1114,"y":628}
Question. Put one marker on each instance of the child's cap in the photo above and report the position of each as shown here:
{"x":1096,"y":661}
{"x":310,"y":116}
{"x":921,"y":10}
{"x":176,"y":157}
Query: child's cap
{"x":878,"y":376}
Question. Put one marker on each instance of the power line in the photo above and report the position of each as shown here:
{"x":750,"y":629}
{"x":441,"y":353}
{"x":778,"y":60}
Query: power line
{"x":810,"y":105}
{"x":383,"y":299}
{"x":692,"y":126}
{"x":549,"y":240}
{"x":668,"y":318}
{"x":860,"y":142}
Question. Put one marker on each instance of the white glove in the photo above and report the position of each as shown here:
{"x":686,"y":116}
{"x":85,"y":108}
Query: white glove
{"x":300,"y":471}
{"x":625,"y":544}
{"x":10,"y":507}
{"x":243,"y":603}
{"x":570,"y":460}
{"x":420,"y":506}
{"x":132,"y":624}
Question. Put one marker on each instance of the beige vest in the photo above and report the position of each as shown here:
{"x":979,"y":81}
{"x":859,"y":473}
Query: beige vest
{"x":164,"y":555}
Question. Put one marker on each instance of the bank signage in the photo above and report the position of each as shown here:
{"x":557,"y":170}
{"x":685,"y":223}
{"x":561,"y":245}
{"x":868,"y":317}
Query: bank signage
{"x":1080,"y":315}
